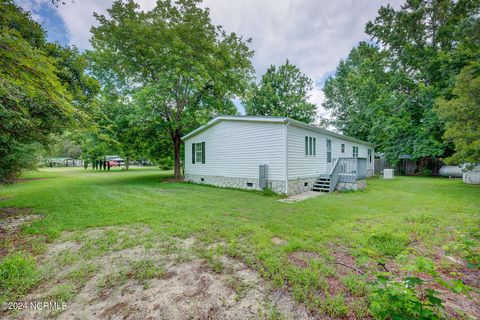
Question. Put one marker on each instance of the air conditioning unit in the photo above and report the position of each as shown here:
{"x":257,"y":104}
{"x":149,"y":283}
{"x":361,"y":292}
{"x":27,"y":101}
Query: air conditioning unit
{"x":263,"y":176}
{"x":388,"y":173}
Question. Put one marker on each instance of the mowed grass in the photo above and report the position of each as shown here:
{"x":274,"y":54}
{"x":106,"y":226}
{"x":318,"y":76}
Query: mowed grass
{"x":408,"y":215}
{"x":74,"y":199}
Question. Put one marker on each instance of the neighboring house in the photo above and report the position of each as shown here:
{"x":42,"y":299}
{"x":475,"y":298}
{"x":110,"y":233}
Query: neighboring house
{"x":284,"y":155}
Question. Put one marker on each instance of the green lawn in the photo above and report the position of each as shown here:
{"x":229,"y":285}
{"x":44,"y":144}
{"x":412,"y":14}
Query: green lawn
{"x":388,"y":222}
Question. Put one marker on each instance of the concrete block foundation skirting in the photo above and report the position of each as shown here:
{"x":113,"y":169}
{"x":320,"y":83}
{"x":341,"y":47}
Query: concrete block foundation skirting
{"x":295,"y":186}
{"x":276,"y":186}
{"x":357,"y":185}
{"x":300,"y":185}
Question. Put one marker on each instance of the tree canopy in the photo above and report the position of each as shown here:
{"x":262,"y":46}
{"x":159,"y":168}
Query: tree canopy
{"x":461,"y":115}
{"x":387,"y":92}
{"x":282,"y":92}
{"x":39,"y":88}
{"x":173,"y":61}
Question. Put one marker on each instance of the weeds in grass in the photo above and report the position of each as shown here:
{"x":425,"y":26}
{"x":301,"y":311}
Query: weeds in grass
{"x":82,"y":274}
{"x":468,"y":246}
{"x":359,"y":307}
{"x":212,"y":256}
{"x":421,"y":218}
{"x":66,"y":257}
{"x":334,"y":306}
{"x":387,"y":244}
{"x":63,"y":292}
{"x":113,"y":279}
{"x":275,"y":314}
{"x":356,"y":284}
{"x":146,"y":269}
{"x":238,"y":285}
{"x":18,"y":273}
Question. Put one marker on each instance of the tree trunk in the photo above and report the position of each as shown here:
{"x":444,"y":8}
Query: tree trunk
{"x":177,"y":173}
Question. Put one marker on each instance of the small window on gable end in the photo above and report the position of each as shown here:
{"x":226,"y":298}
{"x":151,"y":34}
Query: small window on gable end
{"x":343,"y":148}
{"x":306,"y":146}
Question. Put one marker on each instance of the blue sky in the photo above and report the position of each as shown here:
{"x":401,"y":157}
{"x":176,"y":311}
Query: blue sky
{"x":313,"y":34}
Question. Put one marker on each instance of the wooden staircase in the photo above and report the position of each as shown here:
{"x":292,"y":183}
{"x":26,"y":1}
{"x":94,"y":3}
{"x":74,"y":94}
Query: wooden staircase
{"x":322,"y":184}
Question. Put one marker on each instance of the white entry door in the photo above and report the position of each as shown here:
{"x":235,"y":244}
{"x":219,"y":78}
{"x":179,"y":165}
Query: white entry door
{"x":329,"y":155}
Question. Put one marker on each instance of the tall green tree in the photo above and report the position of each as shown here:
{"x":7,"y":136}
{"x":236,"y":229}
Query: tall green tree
{"x":461,"y":115}
{"x":282,"y":92}
{"x":37,"y":96}
{"x":174,"y":60}
{"x":387,"y":93}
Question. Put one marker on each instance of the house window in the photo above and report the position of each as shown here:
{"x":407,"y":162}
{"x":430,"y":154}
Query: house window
{"x":198,"y":152}
{"x":370,"y":155}
{"x":329,"y":150}
{"x":343,"y":148}
{"x":355,"y":152}
{"x":310,"y":146}
{"x":306,"y":146}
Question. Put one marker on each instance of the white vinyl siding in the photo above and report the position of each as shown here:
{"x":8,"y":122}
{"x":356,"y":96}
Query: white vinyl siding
{"x":237,"y":148}
{"x":302,"y":166}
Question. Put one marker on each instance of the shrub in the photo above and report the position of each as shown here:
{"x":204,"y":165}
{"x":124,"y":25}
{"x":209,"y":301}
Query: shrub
{"x":404,"y":299}
{"x":410,"y":297}
{"x":18,"y":273}
{"x":15,"y":158}
{"x":426,"y":172}
{"x":268,"y":192}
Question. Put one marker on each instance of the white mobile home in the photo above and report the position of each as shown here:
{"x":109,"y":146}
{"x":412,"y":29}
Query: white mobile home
{"x":282,"y":154}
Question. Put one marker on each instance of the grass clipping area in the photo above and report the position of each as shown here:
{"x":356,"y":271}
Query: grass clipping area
{"x":130,"y":245}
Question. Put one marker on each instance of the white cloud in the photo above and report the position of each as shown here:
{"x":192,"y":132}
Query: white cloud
{"x":313,"y":34}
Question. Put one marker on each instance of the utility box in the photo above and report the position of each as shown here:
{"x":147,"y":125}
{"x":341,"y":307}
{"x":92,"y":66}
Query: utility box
{"x":263,"y":176}
{"x":388,"y":173}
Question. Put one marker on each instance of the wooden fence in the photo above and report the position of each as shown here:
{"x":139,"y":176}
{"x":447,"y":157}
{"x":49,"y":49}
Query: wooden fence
{"x":410,"y":167}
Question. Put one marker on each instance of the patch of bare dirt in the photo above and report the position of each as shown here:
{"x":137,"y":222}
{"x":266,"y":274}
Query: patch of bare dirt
{"x":9,"y":212}
{"x":29,"y":179}
{"x":11,"y":220}
{"x":187,"y":289}
{"x":173,"y":180}
{"x":302,"y":259}
{"x":279,"y":241}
